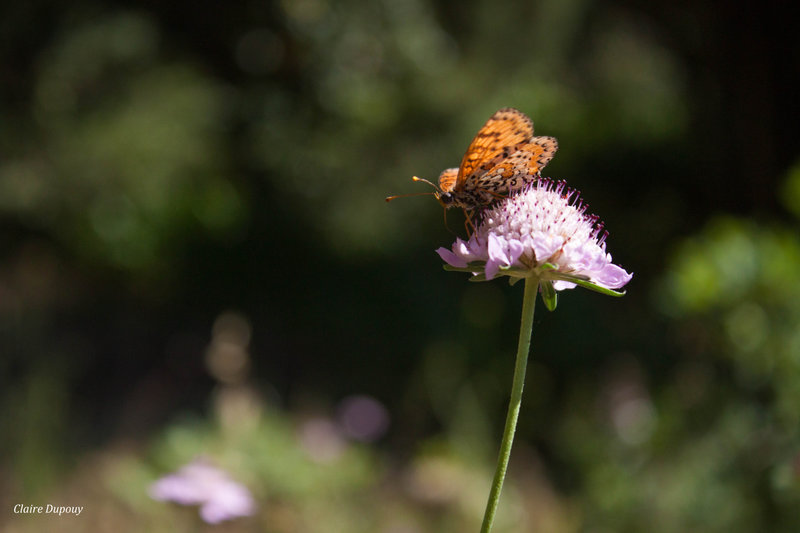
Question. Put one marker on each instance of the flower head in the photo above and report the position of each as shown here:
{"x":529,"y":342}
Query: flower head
{"x":199,"y":483}
{"x":541,"y":231}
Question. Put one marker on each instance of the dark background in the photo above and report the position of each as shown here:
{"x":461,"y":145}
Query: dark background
{"x":179,"y":180}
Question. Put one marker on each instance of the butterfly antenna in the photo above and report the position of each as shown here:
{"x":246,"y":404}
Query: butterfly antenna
{"x":396,"y":196}
{"x":424,"y":181}
{"x":390,"y":198}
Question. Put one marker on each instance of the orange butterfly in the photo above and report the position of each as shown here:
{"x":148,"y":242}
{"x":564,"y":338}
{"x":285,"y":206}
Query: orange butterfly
{"x":503,"y":157}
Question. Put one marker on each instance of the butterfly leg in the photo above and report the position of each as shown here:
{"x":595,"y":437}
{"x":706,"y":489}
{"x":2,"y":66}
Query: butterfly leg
{"x":468,"y":222}
{"x":496,"y":195}
{"x":445,"y":222}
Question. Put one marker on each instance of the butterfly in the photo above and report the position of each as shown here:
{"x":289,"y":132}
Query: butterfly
{"x":503,"y":157}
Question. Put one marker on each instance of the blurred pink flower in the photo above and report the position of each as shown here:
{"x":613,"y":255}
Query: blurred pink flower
{"x":363,"y":418}
{"x":543,"y":230}
{"x":199,"y":483}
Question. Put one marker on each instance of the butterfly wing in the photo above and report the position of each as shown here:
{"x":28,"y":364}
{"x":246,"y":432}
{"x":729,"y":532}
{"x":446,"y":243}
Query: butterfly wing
{"x":515,"y":171}
{"x":447,"y":179}
{"x":498,"y":138}
{"x":542,"y":151}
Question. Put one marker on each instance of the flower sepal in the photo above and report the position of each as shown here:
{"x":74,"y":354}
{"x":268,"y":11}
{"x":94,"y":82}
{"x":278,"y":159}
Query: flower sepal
{"x":549,"y":294}
{"x":584,"y":282}
{"x":472,"y":267}
{"x":478,"y":271}
{"x":547,"y":273}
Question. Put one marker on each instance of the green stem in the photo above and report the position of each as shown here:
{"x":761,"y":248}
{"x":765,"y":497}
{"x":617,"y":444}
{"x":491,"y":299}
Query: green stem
{"x":528,"y":306}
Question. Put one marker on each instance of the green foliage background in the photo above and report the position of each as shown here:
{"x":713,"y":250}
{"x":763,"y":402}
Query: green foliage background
{"x":174,"y":172}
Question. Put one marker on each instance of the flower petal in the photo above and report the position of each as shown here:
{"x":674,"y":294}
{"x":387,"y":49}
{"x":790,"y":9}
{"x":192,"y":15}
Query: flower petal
{"x":497,"y":255}
{"x":515,"y":250}
{"x":497,"y":249}
{"x":177,"y":488}
{"x":450,"y":258}
{"x":545,"y":245}
{"x":229,"y":501}
{"x":560,"y":285}
{"x":612,"y":277}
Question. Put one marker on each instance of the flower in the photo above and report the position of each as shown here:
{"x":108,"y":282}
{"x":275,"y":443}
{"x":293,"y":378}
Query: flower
{"x":542,"y":231}
{"x":199,"y":483}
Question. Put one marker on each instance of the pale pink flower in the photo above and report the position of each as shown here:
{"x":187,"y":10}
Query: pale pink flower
{"x":199,"y":483}
{"x":541,"y":231}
